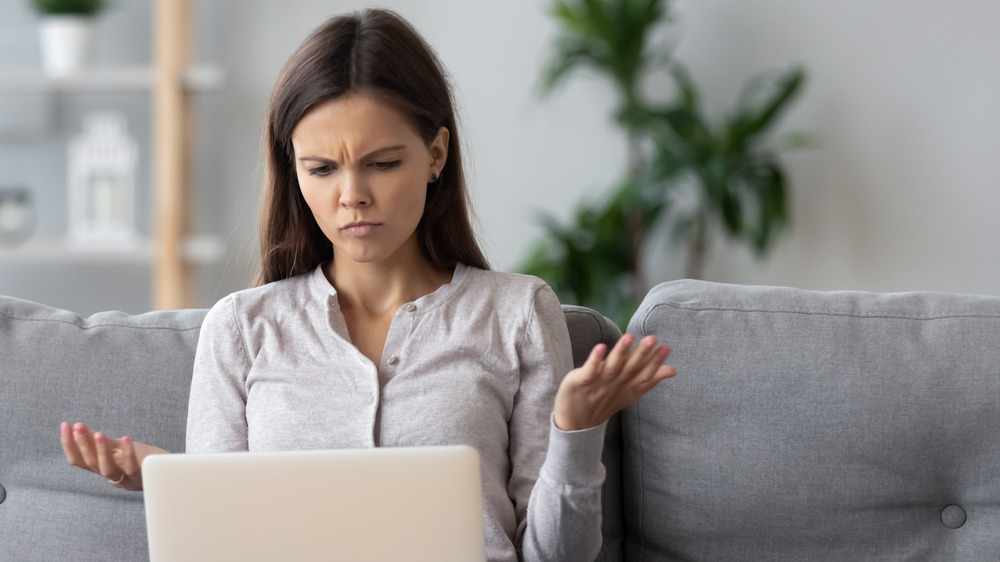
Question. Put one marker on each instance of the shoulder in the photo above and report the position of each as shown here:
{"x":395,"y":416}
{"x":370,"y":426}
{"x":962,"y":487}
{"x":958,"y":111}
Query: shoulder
{"x":503,"y":282}
{"x":266,"y":301}
{"x":523,"y":295}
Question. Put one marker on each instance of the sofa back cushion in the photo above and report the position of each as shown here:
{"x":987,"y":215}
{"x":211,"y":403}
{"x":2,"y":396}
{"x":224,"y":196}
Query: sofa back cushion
{"x":810,"y":425}
{"x":125,"y":374}
{"x":117,"y":373}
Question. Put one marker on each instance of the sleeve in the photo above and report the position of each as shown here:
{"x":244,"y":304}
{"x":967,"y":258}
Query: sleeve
{"x":217,"y":404}
{"x":561,"y":519}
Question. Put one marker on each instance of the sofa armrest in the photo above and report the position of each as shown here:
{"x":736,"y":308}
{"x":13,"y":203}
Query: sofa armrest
{"x":588,"y":328}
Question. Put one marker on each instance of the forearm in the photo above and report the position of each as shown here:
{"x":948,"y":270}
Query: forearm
{"x":564,"y":512}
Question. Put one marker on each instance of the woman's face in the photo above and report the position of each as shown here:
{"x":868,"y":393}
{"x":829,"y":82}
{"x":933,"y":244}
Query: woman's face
{"x":363,"y":171}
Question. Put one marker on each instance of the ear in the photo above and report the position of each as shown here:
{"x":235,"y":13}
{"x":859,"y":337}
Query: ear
{"x":439,"y":153}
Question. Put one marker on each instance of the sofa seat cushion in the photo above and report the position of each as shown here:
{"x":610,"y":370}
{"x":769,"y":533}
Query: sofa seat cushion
{"x":115,"y":372}
{"x":809,"y":425}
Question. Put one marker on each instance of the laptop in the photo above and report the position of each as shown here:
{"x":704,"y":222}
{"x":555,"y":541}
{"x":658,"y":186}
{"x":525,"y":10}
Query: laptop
{"x":407,"y":503}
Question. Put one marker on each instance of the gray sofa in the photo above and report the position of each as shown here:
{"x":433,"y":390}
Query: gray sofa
{"x":802,"y":426}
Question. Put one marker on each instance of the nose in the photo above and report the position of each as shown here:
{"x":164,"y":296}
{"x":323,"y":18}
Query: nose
{"x":354,"y":192}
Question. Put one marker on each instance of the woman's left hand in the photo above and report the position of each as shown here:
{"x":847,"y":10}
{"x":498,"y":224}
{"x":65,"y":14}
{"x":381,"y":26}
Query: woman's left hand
{"x":592,"y":393}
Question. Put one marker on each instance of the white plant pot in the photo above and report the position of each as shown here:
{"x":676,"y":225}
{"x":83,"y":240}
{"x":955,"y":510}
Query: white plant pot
{"x":65,"y":42}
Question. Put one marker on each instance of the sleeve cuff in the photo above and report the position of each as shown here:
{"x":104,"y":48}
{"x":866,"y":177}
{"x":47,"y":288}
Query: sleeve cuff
{"x":574,"y":457}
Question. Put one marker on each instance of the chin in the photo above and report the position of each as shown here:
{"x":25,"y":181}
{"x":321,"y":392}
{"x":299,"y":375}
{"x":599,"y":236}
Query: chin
{"x":367,"y":255}
{"x":371,"y":252}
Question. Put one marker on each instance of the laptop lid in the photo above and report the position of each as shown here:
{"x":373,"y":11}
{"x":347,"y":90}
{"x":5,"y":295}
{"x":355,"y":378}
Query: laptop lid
{"x":409,"y":503}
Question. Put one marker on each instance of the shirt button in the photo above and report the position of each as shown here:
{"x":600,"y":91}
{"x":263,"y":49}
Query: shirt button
{"x":393,"y":360}
{"x":371,"y":399}
{"x":410,"y":307}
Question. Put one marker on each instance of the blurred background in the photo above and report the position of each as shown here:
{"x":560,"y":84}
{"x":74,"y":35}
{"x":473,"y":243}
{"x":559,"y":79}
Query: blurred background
{"x":896,"y":190}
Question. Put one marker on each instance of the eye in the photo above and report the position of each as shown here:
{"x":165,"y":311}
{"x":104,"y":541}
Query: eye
{"x":383,"y":166}
{"x":320,"y":170}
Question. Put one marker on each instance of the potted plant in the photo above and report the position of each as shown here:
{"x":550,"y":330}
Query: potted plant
{"x":65,"y":32}
{"x":688,"y":174}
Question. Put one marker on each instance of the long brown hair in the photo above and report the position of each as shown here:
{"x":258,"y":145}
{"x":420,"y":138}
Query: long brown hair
{"x":374,"y":52}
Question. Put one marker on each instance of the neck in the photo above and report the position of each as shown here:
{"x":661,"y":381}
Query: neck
{"x":382,"y":287}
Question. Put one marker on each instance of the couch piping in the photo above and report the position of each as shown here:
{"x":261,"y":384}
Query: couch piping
{"x":642,"y":462}
{"x":99,"y":325}
{"x":694,"y":308}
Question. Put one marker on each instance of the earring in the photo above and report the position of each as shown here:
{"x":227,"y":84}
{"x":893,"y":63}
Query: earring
{"x":434,"y":179}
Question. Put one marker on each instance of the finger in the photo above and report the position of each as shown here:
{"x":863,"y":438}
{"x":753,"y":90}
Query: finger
{"x":85,"y":442}
{"x":619,"y":355}
{"x":128,"y":462}
{"x":640,"y":357}
{"x":594,"y":364}
{"x":667,"y":372}
{"x":597,"y":354}
{"x":669,"y":350}
{"x":652,"y":363}
{"x":105,"y":457}
{"x":642,"y":389}
{"x":69,"y":447}
{"x":644,"y":386}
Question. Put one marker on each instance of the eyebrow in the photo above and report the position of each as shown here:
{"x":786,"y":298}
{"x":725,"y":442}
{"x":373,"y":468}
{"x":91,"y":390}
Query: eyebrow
{"x":365,"y":157}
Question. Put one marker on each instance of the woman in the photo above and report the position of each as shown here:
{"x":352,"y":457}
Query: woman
{"x":376,"y":320}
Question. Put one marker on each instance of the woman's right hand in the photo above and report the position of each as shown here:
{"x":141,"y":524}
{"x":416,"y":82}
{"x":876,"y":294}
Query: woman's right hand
{"x":117,"y":460}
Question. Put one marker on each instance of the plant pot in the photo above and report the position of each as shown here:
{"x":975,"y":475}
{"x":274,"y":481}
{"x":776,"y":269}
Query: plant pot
{"x":65,"y":42}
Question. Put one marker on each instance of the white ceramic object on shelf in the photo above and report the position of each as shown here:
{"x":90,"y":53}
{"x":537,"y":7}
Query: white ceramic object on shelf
{"x":65,"y":43}
{"x":102,"y":170}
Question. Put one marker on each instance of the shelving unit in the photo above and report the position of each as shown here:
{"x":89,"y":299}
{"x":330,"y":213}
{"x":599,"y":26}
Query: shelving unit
{"x":201,"y":78}
{"x":197,"y":250}
{"x":172,"y":80}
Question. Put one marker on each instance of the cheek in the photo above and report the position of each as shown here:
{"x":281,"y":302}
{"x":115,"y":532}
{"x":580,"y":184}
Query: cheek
{"x":416,"y":203}
{"x":314,"y":207}
{"x":310,"y":192}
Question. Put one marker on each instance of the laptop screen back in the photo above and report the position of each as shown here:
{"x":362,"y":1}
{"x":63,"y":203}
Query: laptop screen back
{"x":410,"y":503}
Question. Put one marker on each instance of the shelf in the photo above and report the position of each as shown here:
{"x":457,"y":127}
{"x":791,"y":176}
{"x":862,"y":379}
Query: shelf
{"x":200,"y":78}
{"x":199,"y":250}
{"x":171,"y":80}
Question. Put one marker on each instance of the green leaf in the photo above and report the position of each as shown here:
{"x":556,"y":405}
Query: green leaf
{"x":750,"y":122}
{"x":685,"y":86}
{"x":70,"y":7}
{"x":796,"y":140}
{"x":609,"y":36}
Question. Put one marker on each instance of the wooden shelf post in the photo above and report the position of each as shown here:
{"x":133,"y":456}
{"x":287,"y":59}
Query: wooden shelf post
{"x":173,"y":278}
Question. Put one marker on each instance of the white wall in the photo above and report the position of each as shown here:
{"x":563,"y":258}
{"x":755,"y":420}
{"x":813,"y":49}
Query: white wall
{"x":902,"y":192}
{"x":899,"y":195}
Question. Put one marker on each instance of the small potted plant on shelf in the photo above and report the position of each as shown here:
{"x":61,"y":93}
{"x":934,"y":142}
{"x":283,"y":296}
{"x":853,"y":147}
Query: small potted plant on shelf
{"x":65,"y":31}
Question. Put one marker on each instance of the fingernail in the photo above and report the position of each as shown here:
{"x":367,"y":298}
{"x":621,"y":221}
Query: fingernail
{"x":78,"y":430}
{"x":98,"y":438}
{"x":126,"y":442}
{"x":64,"y":428}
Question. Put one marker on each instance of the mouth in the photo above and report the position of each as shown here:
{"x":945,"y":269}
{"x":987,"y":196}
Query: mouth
{"x":360,"y":228}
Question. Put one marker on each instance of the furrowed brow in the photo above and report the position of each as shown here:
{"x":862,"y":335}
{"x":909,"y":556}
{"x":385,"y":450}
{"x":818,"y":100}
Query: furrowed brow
{"x":371,"y":154}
